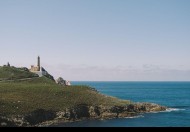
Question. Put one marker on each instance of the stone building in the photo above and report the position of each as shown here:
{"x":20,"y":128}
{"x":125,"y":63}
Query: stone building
{"x":38,"y":69}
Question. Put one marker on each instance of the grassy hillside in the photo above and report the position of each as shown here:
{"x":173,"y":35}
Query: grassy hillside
{"x":21,"y":97}
{"x":9,"y":73}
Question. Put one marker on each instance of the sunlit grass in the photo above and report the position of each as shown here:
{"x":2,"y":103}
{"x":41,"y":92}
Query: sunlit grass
{"x":21,"y":97}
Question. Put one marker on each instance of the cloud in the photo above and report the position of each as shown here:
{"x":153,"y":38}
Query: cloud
{"x":120,"y":73}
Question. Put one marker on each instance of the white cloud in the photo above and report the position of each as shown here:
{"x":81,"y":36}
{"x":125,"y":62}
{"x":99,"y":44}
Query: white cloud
{"x":119,"y":73}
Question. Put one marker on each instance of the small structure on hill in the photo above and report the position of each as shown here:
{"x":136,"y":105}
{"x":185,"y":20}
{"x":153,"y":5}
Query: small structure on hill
{"x":8,"y":64}
{"x":38,"y":69}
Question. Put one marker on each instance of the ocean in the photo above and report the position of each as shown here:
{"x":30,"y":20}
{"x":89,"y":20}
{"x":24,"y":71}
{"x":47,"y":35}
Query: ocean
{"x":174,"y":95}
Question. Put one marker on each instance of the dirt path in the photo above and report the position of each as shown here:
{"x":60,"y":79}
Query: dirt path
{"x":23,"y":79}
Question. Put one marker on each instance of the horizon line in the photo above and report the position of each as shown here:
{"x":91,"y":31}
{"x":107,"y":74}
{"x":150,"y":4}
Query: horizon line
{"x":128,"y":81}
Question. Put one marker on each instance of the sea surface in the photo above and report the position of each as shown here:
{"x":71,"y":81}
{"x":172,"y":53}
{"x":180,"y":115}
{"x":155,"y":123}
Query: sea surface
{"x":174,"y":95}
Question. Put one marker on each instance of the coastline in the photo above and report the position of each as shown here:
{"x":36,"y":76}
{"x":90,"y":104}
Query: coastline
{"x":83,"y":112}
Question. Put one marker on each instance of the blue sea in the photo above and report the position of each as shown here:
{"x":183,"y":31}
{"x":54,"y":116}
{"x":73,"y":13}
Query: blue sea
{"x":174,"y":95}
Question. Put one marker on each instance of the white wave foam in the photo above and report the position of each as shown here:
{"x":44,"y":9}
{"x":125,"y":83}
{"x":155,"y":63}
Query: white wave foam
{"x":139,"y":116}
{"x":154,"y":112}
{"x":173,"y":109}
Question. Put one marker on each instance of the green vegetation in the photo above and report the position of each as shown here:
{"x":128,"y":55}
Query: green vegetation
{"x":22,"y":97}
{"x":28,"y":100}
{"x":11,"y":73}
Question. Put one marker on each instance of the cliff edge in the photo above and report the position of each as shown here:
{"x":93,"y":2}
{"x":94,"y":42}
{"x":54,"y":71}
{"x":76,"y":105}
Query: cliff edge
{"x":39,"y":101}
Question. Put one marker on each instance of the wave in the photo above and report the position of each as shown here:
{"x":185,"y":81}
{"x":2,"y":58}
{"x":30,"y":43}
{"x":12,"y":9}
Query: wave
{"x":154,"y":112}
{"x":173,"y":109}
{"x":139,"y":116}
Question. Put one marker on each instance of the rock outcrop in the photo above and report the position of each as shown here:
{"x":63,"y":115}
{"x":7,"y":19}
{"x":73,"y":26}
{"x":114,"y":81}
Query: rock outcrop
{"x":84,"y":111}
{"x":80,"y":112}
{"x":61,"y":81}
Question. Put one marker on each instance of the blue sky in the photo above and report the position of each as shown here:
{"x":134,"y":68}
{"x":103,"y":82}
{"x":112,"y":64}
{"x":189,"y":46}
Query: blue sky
{"x":99,"y":40}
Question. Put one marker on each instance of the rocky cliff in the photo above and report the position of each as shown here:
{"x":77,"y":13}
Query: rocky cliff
{"x":45,"y":118}
{"x":42,"y":102}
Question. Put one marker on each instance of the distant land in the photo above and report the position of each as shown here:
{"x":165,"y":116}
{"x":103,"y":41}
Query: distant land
{"x":29,"y":100}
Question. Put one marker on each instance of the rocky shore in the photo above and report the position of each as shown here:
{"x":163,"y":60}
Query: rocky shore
{"x":42,"y":117}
